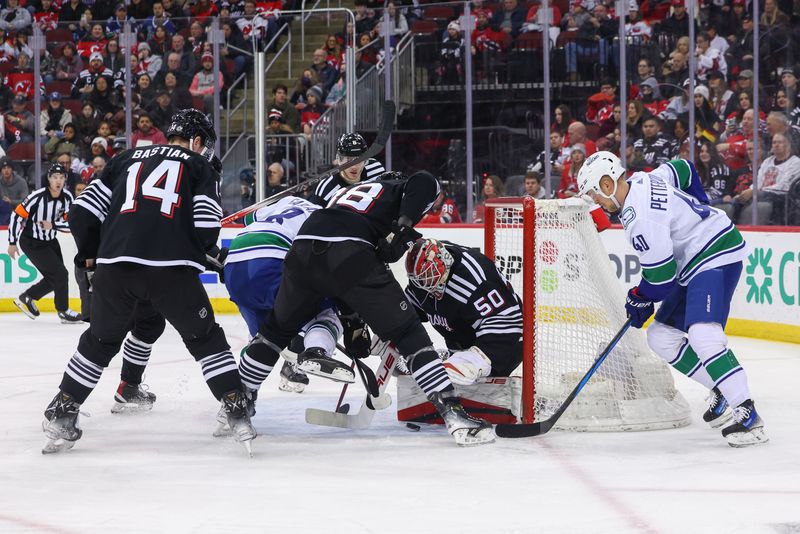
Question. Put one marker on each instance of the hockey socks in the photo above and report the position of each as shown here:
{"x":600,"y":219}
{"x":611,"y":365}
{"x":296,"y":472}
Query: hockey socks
{"x":135,"y":355}
{"x":257,"y":361}
{"x":709,"y":342}
{"x":220,"y":373}
{"x":429,"y":372}
{"x":80,"y":378}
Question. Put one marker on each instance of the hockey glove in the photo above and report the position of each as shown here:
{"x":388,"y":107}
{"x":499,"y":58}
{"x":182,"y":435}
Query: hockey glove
{"x":402,"y":239}
{"x":357,"y":339}
{"x":639,"y":308}
{"x":215,"y":261}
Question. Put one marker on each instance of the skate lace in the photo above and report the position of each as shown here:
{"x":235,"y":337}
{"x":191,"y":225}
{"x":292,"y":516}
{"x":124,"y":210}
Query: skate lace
{"x":741,"y":413}
{"x":713,"y":399}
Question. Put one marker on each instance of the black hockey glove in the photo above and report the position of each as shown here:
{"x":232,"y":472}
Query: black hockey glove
{"x":357,"y":339}
{"x":215,"y":261}
{"x":402,"y":240}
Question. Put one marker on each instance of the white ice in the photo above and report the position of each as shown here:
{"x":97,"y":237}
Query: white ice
{"x":163,"y":472}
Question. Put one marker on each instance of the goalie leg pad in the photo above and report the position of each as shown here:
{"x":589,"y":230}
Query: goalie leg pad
{"x":466,"y":366}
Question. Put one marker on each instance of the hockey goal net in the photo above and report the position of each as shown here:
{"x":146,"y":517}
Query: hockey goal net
{"x":573,"y":305}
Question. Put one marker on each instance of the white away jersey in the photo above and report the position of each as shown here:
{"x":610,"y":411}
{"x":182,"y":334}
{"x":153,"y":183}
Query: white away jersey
{"x":675,"y":236}
{"x":269,"y":232}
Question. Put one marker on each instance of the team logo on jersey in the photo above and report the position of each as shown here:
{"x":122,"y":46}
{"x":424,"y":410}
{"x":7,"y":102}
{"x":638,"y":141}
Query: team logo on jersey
{"x":627,"y":216}
{"x":438,"y":320}
{"x":203,"y":313}
{"x":403,"y":305}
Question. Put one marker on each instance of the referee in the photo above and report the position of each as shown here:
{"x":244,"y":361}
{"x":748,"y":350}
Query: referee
{"x":34,"y":223}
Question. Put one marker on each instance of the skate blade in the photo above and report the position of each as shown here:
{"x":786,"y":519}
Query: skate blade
{"x":721,"y":420}
{"x":248,"y":447}
{"x":130,"y":408}
{"x":54,"y":446}
{"x":24,"y":309}
{"x":338,"y":375}
{"x":465,"y":439}
{"x":756,"y":436}
{"x":291,"y":387}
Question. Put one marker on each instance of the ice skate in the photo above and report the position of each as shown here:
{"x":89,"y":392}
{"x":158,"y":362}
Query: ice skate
{"x":236,"y":405}
{"x":61,"y":424}
{"x":718,"y":413}
{"x":464,"y":428}
{"x":27,"y":305}
{"x":223,"y":428}
{"x":315,"y":362}
{"x":292,"y":379}
{"x":295,"y":347}
{"x":747,"y":428}
{"x":70,"y":317}
{"x":131,"y":399}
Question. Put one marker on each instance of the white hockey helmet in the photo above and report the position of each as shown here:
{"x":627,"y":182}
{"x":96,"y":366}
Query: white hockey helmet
{"x":594,"y":168}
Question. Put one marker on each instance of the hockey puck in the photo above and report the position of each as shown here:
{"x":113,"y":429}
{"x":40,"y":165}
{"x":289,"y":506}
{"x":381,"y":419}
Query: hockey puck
{"x":413,"y":427}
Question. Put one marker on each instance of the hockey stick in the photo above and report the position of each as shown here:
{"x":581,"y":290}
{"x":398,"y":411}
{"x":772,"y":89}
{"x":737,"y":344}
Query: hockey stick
{"x":363,"y":418}
{"x":542,"y":427}
{"x":384,"y":131}
{"x":344,"y":408}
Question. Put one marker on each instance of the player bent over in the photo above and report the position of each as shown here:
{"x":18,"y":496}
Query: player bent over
{"x":691,"y":256}
{"x":469,"y":302}
{"x":341,"y":252}
{"x":253,"y":272}
{"x":149,"y":219}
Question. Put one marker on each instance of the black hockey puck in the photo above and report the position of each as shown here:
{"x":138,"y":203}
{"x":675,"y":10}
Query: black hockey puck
{"x":413,"y":427}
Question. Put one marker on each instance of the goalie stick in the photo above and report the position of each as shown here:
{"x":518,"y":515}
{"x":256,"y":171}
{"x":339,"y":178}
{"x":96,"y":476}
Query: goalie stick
{"x":542,"y":427}
{"x":363,"y":418}
{"x":384,"y":131}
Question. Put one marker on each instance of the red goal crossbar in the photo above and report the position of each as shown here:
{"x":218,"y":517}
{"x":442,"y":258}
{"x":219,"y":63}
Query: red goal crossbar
{"x":528,"y":207}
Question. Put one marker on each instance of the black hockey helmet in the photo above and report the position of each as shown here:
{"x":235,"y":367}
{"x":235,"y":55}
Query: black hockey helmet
{"x":189,"y":123}
{"x":57,"y":168}
{"x":351,"y":145}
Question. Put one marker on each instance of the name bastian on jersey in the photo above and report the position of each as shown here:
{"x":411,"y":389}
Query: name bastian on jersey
{"x":158,"y":206}
{"x":675,"y":234}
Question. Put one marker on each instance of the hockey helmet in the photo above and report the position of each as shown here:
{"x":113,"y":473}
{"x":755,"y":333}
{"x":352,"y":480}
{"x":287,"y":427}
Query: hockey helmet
{"x":594,"y":168}
{"x":428,"y":266}
{"x":57,"y":168}
{"x":190,"y":123}
{"x":350,"y":145}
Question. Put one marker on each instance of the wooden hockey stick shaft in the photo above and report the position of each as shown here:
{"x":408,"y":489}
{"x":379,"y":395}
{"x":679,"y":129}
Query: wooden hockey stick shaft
{"x":542,"y":427}
{"x":384,"y":131}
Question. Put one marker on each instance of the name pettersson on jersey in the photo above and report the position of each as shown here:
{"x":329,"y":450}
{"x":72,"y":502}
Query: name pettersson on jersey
{"x":166,"y":151}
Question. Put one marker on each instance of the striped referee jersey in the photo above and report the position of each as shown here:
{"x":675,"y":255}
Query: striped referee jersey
{"x":37,"y":207}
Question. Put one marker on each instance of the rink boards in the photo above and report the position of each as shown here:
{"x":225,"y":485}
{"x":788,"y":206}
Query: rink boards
{"x":766,"y":303}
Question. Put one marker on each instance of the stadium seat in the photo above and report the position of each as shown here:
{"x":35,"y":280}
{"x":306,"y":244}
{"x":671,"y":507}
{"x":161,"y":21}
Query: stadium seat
{"x":565,"y":37}
{"x":529,"y":41}
{"x":7,"y":66}
{"x":58,"y":36}
{"x":62,"y":86}
{"x":438,"y":13}
{"x":424,"y":27}
{"x":73,"y":105}
{"x":198,"y":103}
{"x":19,"y":152}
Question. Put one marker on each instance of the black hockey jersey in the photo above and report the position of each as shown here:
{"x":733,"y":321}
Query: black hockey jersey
{"x":365,"y":211}
{"x":158,"y":206}
{"x":655,"y":151}
{"x":718,"y":183}
{"x":479,"y":307}
{"x":332,"y":184}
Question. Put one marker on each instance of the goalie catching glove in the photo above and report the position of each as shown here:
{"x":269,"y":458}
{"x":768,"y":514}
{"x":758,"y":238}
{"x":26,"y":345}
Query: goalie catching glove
{"x":465,"y":367}
{"x":402,"y":238}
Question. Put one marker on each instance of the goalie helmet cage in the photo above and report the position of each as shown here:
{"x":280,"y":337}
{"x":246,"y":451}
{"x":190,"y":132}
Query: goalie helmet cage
{"x":573,"y":304}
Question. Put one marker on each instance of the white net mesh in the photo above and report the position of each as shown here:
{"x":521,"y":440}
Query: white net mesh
{"x":579,"y":307}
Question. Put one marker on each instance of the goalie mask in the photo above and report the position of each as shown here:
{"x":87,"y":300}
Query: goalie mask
{"x":428,"y":265}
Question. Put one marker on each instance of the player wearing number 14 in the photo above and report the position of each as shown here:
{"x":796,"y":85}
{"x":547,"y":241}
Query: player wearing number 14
{"x":691,"y":256}
{"x":149,"y":220}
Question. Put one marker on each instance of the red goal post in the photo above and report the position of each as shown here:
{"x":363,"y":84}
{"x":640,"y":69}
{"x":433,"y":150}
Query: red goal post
{"x":572,"y":305}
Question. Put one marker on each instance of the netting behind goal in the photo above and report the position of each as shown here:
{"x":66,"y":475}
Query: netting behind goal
{"x":573,"y":305}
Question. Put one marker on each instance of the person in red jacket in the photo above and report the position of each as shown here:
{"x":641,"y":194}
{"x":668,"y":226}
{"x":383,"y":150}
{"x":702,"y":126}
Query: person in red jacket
{"x":569,"y":176}
{"x":146,"y":133}
{"x":444,"y":211}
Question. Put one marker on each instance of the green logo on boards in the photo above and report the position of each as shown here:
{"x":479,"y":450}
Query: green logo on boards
{"x":548,"y":279}
{"x":759,"y":276}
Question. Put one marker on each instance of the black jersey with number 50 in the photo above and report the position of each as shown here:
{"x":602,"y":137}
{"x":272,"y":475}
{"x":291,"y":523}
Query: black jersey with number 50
{"x":478,"y":308}
{"x":364,"y":212}
{"x":157,"y":206}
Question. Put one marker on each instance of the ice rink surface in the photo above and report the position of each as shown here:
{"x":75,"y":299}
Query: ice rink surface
{"x":163,"y":472}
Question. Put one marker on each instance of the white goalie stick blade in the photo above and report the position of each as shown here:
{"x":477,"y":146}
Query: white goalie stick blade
{"x":362,"y":419}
